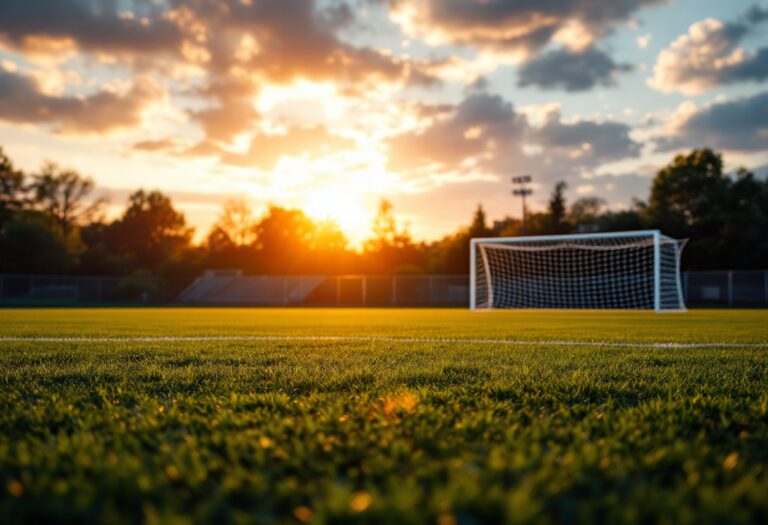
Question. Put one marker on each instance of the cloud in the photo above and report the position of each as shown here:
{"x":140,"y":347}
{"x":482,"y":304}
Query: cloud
{"x":514,"y":27}
{"x":22,"y":101}
{"x":88,"y":25}
{"x":247,"y":44}
{"x":587,"y":143}
{"x":476,"y":126}
{"x":221,"y":52}
{"x":572,"y":71}
{"x":224,"y":121}
{"x":265,"y":150}
{"x":707,"y":56}
{"x":484,"y":134}
{"x":290,"y":41}
{"x":165,"y":144}
{"x":739,"y":125}
{"x":643,"y":41}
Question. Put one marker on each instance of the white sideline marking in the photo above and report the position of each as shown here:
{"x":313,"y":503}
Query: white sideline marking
{"x":373,"y":339}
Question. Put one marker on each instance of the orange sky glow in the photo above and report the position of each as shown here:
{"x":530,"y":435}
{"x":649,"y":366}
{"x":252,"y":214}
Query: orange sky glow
{"x":332,"y":105}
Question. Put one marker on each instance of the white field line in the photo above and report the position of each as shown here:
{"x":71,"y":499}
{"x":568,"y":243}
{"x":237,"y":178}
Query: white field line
{"x":375,"y":339}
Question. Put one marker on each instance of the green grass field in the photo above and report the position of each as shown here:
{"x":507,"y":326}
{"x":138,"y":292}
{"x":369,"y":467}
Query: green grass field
{"x":382,"y":416}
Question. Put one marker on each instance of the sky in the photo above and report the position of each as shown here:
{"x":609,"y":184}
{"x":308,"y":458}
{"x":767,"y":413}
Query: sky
{"x":332,"y":105}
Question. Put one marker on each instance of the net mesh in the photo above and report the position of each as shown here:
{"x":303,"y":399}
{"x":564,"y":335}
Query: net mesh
{"x":593,"y":272}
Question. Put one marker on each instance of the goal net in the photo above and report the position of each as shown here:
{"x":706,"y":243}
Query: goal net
{"x":625,"y":270}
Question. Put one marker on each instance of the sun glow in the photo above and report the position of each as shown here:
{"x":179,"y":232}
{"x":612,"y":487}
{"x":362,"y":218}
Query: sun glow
{"x":344,"y":208}
{"x":302,"y":101}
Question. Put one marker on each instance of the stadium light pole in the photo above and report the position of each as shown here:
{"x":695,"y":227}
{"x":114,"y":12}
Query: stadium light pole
{"x":522,"y":191}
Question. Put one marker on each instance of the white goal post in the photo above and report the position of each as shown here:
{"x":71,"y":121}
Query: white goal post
{"x":621,"y":270}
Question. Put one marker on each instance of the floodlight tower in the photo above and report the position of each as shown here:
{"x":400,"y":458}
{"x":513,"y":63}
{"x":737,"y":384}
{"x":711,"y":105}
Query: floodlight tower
{"x":522,"y":190}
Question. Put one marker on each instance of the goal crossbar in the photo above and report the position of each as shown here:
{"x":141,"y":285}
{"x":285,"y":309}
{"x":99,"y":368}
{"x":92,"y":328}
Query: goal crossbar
{"x":567,"y":237}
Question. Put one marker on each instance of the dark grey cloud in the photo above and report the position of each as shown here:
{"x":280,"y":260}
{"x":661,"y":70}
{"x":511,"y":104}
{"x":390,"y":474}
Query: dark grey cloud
{"x":91,"y":25}
{"x":474,"y":126}
{"x":22,"y":101}
{"x":337,"y":15}
{"x":571,"y":70}
{"x":514,"y":25}
{"x":708,"y":56}
{"x":524,"y":29}
{"x":755,"y":68}
{"x":599,"y":141}
{"x":740,"y":125}
{"x":485,"y":133}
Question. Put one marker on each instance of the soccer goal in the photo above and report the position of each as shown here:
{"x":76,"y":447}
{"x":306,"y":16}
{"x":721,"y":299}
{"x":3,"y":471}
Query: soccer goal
{"x":623,"y":270}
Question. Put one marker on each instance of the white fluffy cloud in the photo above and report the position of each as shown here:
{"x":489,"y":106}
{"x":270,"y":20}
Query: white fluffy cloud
{"x":708,"y":55}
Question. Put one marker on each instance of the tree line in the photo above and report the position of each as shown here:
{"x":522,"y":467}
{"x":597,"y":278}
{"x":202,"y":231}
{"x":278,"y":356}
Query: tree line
{"x":51,"y":223}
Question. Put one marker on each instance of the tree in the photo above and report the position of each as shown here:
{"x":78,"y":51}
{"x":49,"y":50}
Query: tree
{"x":150,"y":231}
{"x":284,"y":230}
{"x":386,"y":234}
{"x":690,"y":194}
{"x":391,"y":249}
{"x":329,"y":237}
{"x":451,"y":253}
{"x":218,"y":240}
{"x":479,"y":227}
{"x":556,"y":210}
{"x":11,"y":189}
{"x":30,"y":245}
{"x":283,"y":237}
{"x":724,"y":216}
{"x":64,"y":195}
{"x":100,"y":256}
{"x":745,"y":233}
{"x":586,"y":212}
{"x":506,"y":227}
{"x":284,"y":241}
{"x":623,"y":220}
{"x":237,"y":223}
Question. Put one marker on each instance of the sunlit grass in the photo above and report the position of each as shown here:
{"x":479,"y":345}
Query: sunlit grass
{"x":382,"y":431}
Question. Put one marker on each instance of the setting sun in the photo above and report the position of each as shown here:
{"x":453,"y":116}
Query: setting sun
{"x":343,"y":207}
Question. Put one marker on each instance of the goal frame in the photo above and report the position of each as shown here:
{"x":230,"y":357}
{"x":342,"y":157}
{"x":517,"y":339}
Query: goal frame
{"x":654,"y":234}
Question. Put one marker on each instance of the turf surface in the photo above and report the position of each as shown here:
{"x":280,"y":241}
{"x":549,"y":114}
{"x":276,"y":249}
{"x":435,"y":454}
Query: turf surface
{"x":379,"y":430}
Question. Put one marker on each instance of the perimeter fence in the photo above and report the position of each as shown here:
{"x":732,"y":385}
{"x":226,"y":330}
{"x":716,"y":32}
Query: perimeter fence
{"x":42,"y":290}
{"x":701,"y":289}
{"x":320,"y":290}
